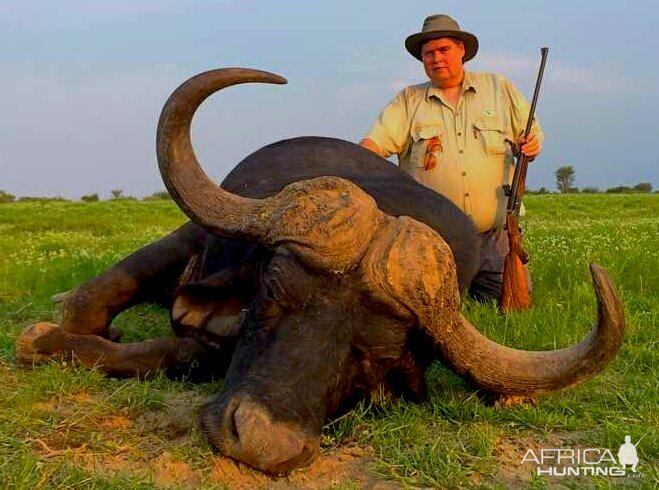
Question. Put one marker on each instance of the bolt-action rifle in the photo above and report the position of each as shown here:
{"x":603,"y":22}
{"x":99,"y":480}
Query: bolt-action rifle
{"x":515,"y":293}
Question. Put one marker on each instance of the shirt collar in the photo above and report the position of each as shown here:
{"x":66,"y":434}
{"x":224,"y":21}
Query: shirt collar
{"x":467,"y":86}
{"x":468,"y":83}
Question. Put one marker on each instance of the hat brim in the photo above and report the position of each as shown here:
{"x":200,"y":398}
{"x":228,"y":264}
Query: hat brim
{"x":414,"y":42}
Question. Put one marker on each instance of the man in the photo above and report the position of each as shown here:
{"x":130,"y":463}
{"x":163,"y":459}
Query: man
{"x":627,"y":454}
{"x":458,"y":134}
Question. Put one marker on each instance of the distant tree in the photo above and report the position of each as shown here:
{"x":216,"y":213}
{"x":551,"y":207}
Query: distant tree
{"x":6,"y":197}
{"x":644,"y":187}
{"x":90,"y":198}
{"x":590,"y":190}
{"x":543,"y":190}
{"x":565,"y":178}
{"x":573,"y":190}
{"x":116,"y":193}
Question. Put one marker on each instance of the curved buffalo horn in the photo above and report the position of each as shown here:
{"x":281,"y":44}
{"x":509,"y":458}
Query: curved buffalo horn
{"x":327,"y":222}
{"x":413,"y":265}
{"x":505,"y":370}
{"x":196,"y":194}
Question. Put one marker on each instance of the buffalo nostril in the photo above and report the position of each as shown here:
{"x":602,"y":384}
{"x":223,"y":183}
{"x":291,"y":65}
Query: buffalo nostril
{"x":234,"y":428}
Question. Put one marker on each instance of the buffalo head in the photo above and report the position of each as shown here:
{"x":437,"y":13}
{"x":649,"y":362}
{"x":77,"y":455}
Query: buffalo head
{"x":351,"y":300}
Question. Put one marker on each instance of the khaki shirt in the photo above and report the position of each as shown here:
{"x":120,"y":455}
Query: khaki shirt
{"x":476,"y":139}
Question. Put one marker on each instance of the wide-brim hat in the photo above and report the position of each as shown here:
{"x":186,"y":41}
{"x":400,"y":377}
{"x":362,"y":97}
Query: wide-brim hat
{"x":436,"y":26}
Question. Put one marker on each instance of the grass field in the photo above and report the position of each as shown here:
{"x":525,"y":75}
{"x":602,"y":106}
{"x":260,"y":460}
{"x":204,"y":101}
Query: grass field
{"x":62,"y":427}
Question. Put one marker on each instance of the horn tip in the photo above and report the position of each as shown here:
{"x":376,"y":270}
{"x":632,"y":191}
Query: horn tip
{"x":607,"y":297}
{"x":595,"y":268}
{"x":601,"y":279}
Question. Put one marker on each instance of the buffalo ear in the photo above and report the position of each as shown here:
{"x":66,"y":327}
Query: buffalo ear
{"x":409,"y":264}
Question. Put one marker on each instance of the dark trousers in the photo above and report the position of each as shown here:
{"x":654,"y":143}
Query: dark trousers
{"x":489,"y":279}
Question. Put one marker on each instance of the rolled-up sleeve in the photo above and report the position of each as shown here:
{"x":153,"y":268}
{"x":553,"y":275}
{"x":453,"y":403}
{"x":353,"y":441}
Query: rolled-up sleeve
{"x":519,"y":113}
{"x":390,"y":131}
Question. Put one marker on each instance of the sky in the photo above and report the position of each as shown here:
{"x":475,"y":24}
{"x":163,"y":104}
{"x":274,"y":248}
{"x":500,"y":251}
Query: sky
{"x":83,"y":82}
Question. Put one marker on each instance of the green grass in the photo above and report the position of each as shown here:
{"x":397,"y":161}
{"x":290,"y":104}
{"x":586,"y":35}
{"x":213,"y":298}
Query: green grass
{"x":62,"y":427}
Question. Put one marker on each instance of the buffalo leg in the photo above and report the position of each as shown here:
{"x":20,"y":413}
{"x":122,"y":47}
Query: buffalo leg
{"x":142,"y":276}
{"x":175,"y":356}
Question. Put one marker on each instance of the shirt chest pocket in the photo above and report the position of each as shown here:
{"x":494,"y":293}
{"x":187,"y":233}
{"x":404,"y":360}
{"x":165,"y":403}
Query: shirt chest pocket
{"x":492,"y":136}
{"x":426,"y":146}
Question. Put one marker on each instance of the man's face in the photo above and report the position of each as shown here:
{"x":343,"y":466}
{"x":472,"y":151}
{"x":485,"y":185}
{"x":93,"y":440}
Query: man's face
{"x":442,"y":60}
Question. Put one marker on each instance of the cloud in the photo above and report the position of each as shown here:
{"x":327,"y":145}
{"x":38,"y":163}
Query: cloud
{"x":566,"y":78}
{"x":582,"y":79}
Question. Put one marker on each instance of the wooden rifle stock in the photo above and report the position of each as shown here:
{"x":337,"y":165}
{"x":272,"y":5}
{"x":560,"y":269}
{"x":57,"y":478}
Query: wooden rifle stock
{"x":515,"y":294}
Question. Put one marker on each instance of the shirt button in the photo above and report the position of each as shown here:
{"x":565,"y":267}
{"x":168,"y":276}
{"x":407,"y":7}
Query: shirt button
{"x":459,"y":133}
{"x":461,"y":151}
{"x":464,"y":173}
{"x":466,"y":194}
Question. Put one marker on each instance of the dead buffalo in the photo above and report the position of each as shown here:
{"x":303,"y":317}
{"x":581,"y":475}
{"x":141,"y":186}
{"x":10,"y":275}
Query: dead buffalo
{"x":306,"y":290}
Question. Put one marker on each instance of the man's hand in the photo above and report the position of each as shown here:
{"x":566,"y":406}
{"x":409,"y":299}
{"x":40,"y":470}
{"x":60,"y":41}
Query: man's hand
{"x":530,"y":146}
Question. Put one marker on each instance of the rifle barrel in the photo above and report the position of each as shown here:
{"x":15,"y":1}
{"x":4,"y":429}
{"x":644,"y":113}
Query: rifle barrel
{"x":640,"y":439}
{"x":514,"y":200}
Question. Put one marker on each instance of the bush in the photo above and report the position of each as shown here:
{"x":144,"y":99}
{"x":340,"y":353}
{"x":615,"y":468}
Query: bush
{"x":621,"y":189}
{"x":542,"y":190}
{"x":644,"y":187}
{"x":90,"y":198}
{"x":42,"y":199}
{"x":158,"y":196}
{"x":640,"y":188}
{"x":6,"y":197}
{"x":590,"y":190}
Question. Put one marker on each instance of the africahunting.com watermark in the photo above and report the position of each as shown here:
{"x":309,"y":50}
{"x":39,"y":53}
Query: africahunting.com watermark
{"x":585,"y":462}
